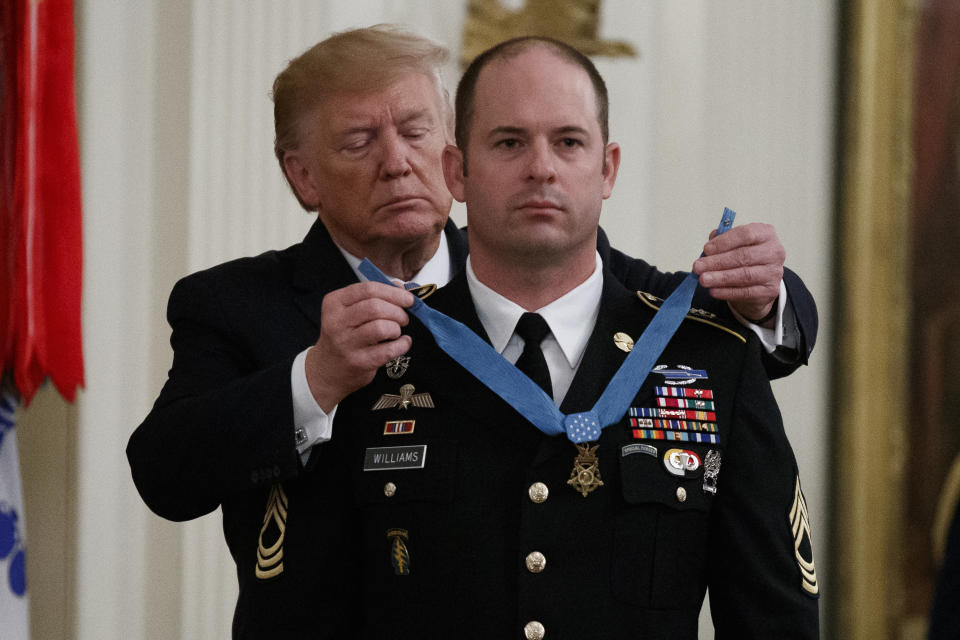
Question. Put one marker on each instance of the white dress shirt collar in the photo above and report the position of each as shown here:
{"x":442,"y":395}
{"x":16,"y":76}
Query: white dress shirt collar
{"x":571,"y":317}
{"x":435,"y":271}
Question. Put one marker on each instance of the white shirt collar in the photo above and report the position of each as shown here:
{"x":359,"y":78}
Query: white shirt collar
{"x":571,"y":317}
{"x":435,"y":271}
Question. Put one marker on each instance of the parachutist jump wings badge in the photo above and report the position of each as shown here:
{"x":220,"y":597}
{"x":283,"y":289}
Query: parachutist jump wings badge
{"x":406,"y":398}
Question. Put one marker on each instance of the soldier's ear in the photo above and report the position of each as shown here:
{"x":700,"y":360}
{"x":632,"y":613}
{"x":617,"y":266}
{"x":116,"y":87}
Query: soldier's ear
{"x":611,"y":164}
{"x":453,"y":171}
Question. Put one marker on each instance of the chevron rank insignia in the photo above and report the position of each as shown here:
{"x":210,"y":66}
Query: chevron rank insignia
{"x":406,"y":398}
{"x":802,"y":544}
{"x":272,"y":533}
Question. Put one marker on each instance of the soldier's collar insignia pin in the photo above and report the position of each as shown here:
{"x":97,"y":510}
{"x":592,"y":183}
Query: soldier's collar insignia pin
{"x":623,"y":341}
{"x":406,"y":398}
{"x":423,"y":291}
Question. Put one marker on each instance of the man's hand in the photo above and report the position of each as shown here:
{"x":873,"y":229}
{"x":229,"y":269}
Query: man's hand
{"x":359,"y":332}
{"x":744,"y":266}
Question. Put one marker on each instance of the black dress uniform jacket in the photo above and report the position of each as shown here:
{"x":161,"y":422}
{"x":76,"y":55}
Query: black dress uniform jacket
{"x":446,"y":544}
{"x":221,"y":432}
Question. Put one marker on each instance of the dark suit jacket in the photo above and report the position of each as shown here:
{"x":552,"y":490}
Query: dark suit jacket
{"x":633,"y":558}
{"x":221,"y":431}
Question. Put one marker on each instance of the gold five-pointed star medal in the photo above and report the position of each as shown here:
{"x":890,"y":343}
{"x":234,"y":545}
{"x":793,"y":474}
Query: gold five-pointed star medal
{"x":585,"y":476}
{"x":406,"y":398}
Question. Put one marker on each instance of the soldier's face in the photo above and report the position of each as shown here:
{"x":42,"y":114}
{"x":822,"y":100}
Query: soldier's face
{"x":536,"y":172}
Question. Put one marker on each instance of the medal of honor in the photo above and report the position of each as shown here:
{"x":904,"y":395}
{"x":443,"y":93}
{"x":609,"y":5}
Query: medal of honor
{"x":585,"y":476}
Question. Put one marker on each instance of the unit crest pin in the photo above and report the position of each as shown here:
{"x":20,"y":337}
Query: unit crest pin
{"x":396,"y":367}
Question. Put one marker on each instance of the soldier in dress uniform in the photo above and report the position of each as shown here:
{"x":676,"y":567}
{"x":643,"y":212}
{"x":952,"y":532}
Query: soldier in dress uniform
{"x":265,"y":347}
{"x":477,"y":524}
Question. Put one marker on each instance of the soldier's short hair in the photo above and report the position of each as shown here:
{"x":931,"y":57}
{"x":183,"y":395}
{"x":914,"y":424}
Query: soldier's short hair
{"x":467,"y":89}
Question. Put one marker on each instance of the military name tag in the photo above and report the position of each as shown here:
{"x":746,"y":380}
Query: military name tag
{"x":392,"y":458}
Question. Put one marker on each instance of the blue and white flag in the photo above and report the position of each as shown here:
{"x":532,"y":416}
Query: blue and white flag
{"x":14,"y":617}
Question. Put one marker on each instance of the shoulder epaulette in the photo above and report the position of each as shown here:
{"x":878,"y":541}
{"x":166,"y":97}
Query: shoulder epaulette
{"x":697,"y":315}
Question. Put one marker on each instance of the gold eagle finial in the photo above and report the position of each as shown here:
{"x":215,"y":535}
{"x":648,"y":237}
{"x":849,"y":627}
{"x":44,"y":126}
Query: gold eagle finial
{"x":575,"y":22}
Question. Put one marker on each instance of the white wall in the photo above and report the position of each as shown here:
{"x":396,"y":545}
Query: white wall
{"x":729,"y":104}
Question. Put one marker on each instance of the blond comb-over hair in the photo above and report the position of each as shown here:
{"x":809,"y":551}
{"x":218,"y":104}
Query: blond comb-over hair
{"x":354,"y":61}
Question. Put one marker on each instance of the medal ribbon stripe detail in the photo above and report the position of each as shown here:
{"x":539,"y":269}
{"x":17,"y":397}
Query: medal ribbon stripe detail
{"x":680,"y":414}
{"x":674,"y":425}
{"x":683,"y":392}
{"x":683,"y":403}
{"x":677,"y":436}
{"x":524,"y":395}
{"x":393,"y":427}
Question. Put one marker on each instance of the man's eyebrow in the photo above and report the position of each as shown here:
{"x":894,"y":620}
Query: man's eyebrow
{"x":364,"y":125}
{"x":571,"y":128}
{"x":506,"y":130}
{"x":414,"y":115}
{"x":517,"y":131}
{"x":360,"y":128}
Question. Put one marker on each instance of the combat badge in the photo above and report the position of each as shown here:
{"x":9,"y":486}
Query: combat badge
{"x":272,"y":533}
{"x":396,"y":367}
{"x":399,"y":554}
{"x":711,"y":469}
{"x":406,"y":398}
{"x":681,"y":374}
{"x":585,"y":476}
{"x":800,"y":524}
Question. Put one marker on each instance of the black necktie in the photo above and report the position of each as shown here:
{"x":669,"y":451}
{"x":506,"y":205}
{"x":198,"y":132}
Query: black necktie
{"x":533,"y":329}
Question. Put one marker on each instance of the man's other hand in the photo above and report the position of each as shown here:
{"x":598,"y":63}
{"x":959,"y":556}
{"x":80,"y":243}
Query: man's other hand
{"x":744,"y":266}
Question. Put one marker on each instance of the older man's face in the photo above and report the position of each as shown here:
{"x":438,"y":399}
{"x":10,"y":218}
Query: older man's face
{"x":370,"y":164}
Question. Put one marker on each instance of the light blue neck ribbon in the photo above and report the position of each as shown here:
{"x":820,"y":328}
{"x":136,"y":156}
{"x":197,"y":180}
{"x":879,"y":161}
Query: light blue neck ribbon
{"x":524,"y":395}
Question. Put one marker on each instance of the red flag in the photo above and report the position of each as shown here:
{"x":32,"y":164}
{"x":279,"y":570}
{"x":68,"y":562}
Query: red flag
{"x":40,"y":212}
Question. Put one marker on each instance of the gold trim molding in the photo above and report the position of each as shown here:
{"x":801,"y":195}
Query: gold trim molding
{"x":576,"y":22}
{"x":873,"y":320}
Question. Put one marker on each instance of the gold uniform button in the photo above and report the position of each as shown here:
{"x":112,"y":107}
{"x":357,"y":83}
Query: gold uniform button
{"x":538,"y":492}
{"x":533,"y":630}
{"x":681,"y":494}
{"x":536,"y":562}
{"x":389,"y":489}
